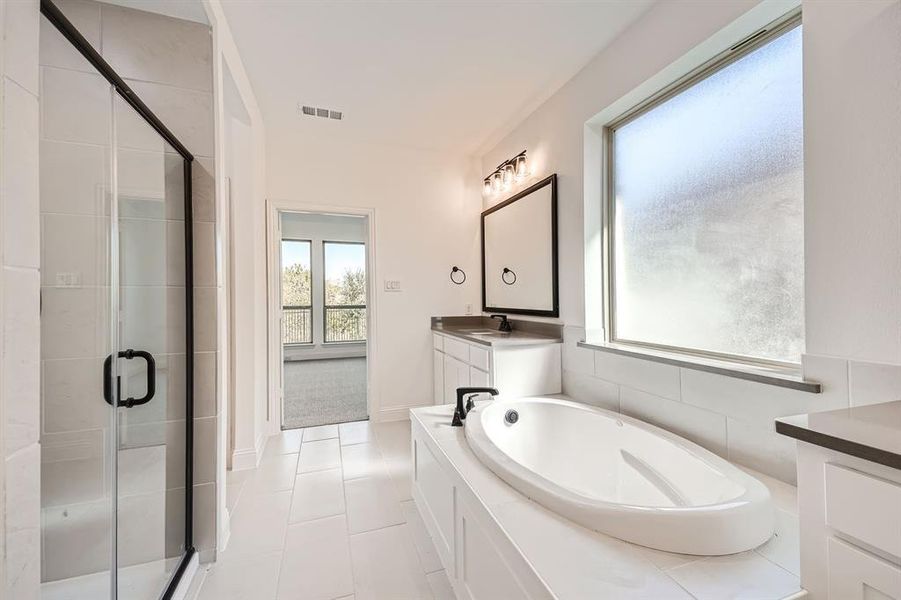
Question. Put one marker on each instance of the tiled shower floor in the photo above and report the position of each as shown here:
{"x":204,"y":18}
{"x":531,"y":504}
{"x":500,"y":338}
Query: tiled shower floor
{"x":328,"y":514}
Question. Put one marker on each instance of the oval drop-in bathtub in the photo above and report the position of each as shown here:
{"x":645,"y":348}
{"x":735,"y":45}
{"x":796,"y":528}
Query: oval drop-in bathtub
{"x":621,"y":476}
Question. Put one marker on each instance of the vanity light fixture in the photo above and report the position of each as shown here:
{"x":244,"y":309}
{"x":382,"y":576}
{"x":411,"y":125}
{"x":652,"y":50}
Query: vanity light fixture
{"x":507,"y":173}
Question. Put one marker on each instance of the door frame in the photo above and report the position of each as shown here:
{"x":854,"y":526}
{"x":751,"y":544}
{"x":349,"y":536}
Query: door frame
{"x":273,"y":302}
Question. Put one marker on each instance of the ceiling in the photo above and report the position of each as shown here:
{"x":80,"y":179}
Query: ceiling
{"x":449,"y":75}
{"x":189,"y":10}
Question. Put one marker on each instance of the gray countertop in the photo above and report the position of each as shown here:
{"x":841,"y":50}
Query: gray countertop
{"x":870,"y":432}
{"x":482,"y":330}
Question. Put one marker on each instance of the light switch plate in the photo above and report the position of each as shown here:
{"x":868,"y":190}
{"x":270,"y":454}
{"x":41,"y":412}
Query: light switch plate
{"x":392,"y":285}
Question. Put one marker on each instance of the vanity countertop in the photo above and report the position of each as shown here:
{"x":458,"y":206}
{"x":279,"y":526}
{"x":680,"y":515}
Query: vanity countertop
{"x":869,"y":432}
{"x":483,"y":330}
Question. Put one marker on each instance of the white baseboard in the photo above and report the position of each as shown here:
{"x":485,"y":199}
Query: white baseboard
{"x":247,"y":458}
{"x":394,"y":413}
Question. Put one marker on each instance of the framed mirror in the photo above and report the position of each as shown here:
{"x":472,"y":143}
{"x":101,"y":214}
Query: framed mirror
{"x":519,"y":253}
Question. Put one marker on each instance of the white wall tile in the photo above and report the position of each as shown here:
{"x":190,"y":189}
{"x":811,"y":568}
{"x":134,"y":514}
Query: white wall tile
{"x":20,"y":43}
{"x":61,"y":89}
{"x":21,"y":358}
{"x":755,"y":403}
{"x":153,"y":47}
{"x":23,"y":523}
{"x":701,"y":426}
{"x":76,"y":246}
{"x":579,"y":360}
{"x":591,"y":390}
{"x":187,"y":113}
{"x":645,"y":375}
{"x":762,"y":449}
{"x":832,"y":375}
{"x":57,"y":51}
{"x":74,"y":178}
{"x":74,"y":322}
{"x":873,"y":383}
{"x":19,"y":185}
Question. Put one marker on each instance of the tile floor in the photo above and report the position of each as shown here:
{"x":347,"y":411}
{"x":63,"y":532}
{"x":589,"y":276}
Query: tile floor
{"x":328,"y":515}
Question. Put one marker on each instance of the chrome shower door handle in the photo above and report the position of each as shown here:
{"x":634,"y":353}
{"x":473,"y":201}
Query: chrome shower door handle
{"x":151,"y":378}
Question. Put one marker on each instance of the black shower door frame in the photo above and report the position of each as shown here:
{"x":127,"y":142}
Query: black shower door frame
{"x":65,"y":27}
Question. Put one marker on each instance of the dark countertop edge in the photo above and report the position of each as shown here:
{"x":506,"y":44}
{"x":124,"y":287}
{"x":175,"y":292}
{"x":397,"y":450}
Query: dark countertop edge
{"x":534,"y":339}
{"x":824,"y":440}
{"x":784,"y":381}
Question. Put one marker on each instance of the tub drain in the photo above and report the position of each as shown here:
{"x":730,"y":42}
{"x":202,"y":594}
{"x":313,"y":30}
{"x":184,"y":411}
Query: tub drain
{"x":511,"y":417}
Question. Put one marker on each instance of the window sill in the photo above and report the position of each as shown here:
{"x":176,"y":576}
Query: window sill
{"x":766,"y":376}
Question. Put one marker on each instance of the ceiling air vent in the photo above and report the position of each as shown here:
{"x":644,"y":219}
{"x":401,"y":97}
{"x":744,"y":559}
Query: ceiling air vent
{"x":315,"y":111}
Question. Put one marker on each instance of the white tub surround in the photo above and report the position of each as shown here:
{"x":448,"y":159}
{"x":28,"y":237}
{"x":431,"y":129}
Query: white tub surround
{"x":623,"y":477}
{"x":849,"y":494}
{"x":495,"y":542}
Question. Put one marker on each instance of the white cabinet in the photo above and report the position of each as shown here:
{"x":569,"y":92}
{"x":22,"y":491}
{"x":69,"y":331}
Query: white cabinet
{"x":515,"y":370}
{"x":850,"y":512}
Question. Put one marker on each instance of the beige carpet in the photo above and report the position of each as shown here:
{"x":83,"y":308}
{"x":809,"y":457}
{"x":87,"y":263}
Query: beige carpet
{"x":322,"y":392}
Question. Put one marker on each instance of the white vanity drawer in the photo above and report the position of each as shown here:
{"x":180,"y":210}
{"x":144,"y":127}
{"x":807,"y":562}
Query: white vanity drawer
{"x":858,"y":575}
{"x":457,"y":349}
{"x":864,"y":507}
{"x":438,"y":342}
{"x":478,"y":357}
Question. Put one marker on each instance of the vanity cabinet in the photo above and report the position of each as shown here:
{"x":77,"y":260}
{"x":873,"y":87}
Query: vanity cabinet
{"x":515,"y":370}
{"x":850,"y":511}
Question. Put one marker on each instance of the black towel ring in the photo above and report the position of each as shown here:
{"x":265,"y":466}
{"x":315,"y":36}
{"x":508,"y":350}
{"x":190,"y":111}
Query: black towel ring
{"x":457,"y":270}
{"x":504,"y":276}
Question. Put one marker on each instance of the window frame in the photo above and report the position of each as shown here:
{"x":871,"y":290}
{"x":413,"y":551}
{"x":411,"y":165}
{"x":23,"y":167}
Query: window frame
{"x":326,"y":305}
{"x":736,"y":52}
{"x":282,"y":289}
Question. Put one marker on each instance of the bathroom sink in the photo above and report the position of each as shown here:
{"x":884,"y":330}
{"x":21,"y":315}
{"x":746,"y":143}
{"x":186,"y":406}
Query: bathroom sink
{"x":487,"y":333}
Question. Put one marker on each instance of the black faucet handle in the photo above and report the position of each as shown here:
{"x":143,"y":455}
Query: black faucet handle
{"x":470,"y":402}
{"x":504,"y":324}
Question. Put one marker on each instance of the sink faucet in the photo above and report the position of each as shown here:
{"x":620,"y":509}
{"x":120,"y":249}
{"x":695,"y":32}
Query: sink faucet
{"x":504,"y":324}
{"x":462,"y":410}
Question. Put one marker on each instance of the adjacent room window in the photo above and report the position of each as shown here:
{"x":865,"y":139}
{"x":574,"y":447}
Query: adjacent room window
{"x":297,"y":295}
{"x":345,"y":291}
{"x":705,"y":252}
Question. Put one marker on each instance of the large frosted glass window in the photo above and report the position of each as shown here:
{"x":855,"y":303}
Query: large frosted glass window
{"x":707,"y":209}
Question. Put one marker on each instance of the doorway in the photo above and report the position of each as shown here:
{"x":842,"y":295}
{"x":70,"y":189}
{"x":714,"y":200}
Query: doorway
{"x":323,"y":290}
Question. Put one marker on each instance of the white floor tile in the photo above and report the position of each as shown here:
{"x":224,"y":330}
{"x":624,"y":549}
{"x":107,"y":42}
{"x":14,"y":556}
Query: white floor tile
{"x":371,"y":504}
{"x":319,"y":456}
{"x":784,"y":548}
{"x":440,"y":586}
{"x":738,"y":576}
{"x":317,"y":495}
{"x":358,"y":432}
{"x":251,"y":578}
{"x":232,"y":493}
{"x":274,"y":474}
{"x":428,"y":556}
{"x":393,"y":438}
{"x":362,"y":460}
{"x":258,"y":524}
{"x":286,"y":442}
{"x":316,"y":561}
{"x":322,"y":432}
{"x":386,"y":566}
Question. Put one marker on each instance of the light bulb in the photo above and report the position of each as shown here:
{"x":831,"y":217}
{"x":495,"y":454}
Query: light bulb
{"x":522,"y":168}
{"x":508,"y":175}
{"x":486,"y":187}
{"x":497,"y":182}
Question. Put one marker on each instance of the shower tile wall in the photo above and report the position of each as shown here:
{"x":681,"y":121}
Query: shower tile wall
{"x":19,"y":289}
{"x":168,"y":62}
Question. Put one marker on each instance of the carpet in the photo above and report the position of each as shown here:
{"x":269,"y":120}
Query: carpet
{"x":323,"y":392}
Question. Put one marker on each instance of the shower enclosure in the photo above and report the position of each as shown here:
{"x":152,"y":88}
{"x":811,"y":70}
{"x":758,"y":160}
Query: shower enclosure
{"x":116,"y":332}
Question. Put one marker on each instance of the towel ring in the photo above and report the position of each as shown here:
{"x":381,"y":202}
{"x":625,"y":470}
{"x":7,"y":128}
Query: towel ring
{"x":458,"y":270}
{"x":504,"y":276}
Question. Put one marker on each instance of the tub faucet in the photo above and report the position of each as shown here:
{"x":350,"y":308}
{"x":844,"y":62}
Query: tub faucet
{"x":504,"y":325}
{"x":461,"y":410}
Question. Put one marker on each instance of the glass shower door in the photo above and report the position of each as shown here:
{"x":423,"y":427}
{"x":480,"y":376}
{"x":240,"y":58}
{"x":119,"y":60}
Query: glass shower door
{"x":149,"y":219}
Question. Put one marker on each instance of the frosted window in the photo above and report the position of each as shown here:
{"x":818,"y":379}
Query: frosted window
{"x":708,"y":212}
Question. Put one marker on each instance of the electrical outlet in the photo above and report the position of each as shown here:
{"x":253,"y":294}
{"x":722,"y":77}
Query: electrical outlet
{"x":392,"y":285}
{"x":468,"y":309}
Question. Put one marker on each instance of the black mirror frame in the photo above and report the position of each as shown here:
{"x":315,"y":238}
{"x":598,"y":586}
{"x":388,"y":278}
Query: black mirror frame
{"x":555,"y":311}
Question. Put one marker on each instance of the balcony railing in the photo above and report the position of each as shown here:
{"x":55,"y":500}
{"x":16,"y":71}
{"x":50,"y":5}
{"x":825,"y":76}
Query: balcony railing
{"x":346,"y":323}
{"x":297,"y":324}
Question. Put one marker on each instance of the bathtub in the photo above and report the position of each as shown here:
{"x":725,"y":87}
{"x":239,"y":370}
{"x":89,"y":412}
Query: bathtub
{"x":621,"y":476}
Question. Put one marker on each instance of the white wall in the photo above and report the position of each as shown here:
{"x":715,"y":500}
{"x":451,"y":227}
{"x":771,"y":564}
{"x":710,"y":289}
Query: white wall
{"x":426,"y":221}
{"x":319,"y":228}
{"x":852,"y":62}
